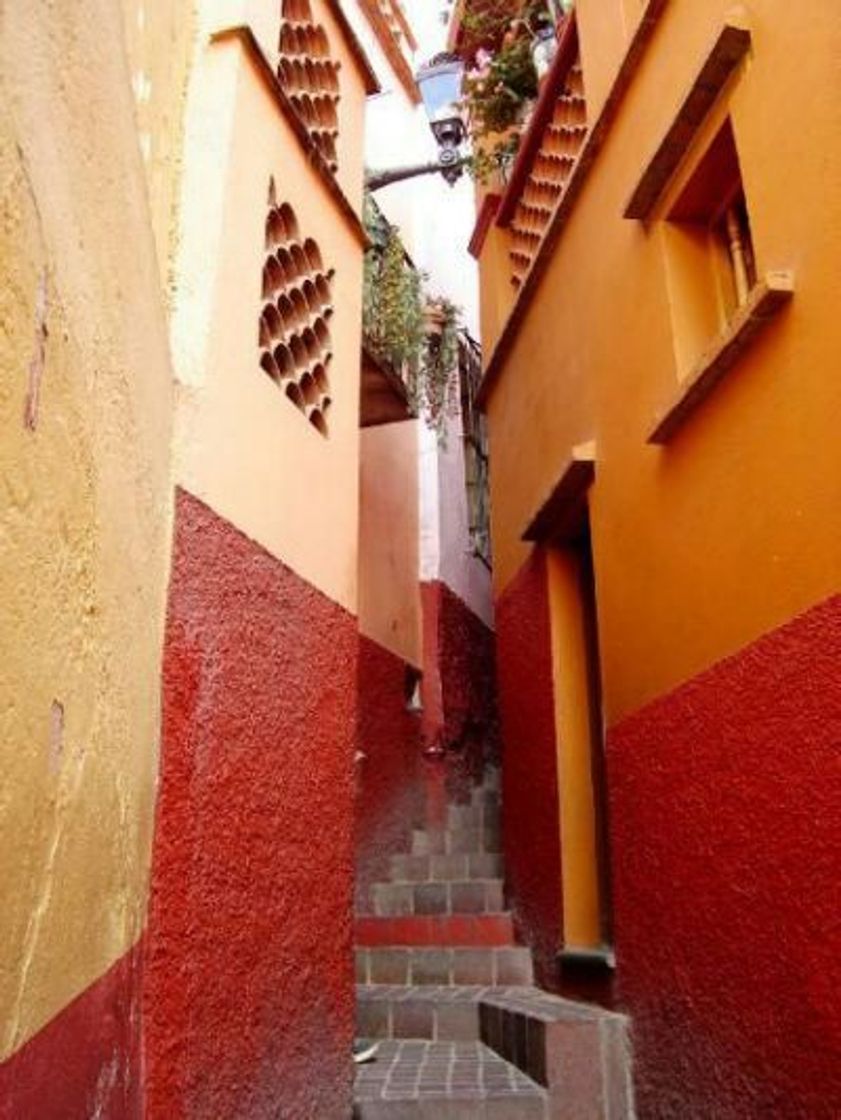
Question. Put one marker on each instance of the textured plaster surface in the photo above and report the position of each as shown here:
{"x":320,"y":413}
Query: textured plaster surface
{"x":725,"y":807}
{"x":85,"y":509}
{"x":248,"y":1000}
{"x":461,"y":651}
{"x":730,"y":531}
{"x":241,"y":445}
{"x":530,"y":830}
{"x":86,"y":1061}
{"x":389,"y":791}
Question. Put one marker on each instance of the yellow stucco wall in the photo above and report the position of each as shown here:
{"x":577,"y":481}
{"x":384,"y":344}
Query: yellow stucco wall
{"x":160,"y":38}
{"x":84,"y":509}
{"x":240,"y":444}
{"x":731,"y":529}
{"x":389,"y":575}
{"x":577,"y":820}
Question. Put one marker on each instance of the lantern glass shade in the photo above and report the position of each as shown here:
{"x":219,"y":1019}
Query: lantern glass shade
{"x":439,"y":83}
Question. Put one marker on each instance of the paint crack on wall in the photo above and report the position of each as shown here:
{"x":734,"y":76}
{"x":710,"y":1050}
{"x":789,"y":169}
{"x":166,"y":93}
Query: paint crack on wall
{"x":38,"y":360}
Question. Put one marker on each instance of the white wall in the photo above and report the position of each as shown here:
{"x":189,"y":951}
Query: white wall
{"x":435,"y":220}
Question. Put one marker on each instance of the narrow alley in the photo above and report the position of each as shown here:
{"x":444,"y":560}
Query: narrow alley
{"x":420,"y":560}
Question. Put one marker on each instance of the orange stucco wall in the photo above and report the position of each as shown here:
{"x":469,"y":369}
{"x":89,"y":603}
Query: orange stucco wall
{"x":389,"y":587}
{"x":731,"y":529}
{"x":85,"y":504}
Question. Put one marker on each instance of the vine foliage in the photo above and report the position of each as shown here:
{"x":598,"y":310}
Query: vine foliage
{"x":404,"y":329}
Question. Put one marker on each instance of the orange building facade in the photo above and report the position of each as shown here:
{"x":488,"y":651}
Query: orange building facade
{"x":213,"y":600}
{"x":659,"y":321}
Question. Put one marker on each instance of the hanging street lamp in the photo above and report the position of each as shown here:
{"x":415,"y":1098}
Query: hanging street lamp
{"x":439,"y":82}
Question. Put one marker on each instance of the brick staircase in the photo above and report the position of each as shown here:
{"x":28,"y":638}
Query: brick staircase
{"x":443,"y":985}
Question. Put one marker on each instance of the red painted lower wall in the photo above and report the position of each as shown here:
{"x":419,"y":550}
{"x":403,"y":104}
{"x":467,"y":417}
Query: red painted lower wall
{"x":248,"y":1001}
{"x":531,"y":838}
{"x":86,"y":1061}
{"x":726,"y":826}
{"x":459,"y":679}
{"x":389,"y":789}
{"x":397,"y":786}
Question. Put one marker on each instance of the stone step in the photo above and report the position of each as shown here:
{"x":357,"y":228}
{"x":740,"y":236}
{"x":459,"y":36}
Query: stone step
{"x":435,"y":929}
{"x":423,"y":1080}
{"x":575,"y":1050}
{"x":455,"y":841}
{"x":486,"y":967}
{"x":456,"y":896}
{"x":580,"y":1053}
{"x":444,"y":868}
{"x":479,"y":814}
{"x":443,"y":1013}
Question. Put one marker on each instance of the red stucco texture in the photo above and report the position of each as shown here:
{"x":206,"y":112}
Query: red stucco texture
{"x":389,"y":787}
{"x":726,"y":820}
{"x":84,"y":1062}
{"x":531,"y":839}
{"x":468,"y":677}
{"x":248,"y":1000}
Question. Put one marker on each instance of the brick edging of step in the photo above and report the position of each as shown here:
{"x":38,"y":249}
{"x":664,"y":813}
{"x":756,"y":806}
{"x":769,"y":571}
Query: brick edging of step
{"x":445,"y":930}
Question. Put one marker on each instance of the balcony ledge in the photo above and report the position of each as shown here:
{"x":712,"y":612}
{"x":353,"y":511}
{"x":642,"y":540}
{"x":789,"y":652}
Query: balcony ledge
{"x":763,"y":304}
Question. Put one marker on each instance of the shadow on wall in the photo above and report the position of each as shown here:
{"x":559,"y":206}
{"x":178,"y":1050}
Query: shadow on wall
{"x":389,"y":785}
{"x":530,"y":829}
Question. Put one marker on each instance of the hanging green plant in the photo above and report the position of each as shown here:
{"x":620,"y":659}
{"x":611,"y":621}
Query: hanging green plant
{"x":439,"y":382}
{"x":405,"y":330}
{"x":392,"y":304}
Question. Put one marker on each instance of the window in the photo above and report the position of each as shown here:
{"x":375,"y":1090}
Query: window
{"x":719,"y":300}
{"x":710,"y":260}
{"x":475,"y":448}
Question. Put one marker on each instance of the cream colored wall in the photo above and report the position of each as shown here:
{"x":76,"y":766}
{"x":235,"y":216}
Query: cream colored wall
{"x":726,"y":533}
{"x":160,"y":40}
{"x":389,"y":591}
{"x":241,"y":445}
{"x":85,"y":510}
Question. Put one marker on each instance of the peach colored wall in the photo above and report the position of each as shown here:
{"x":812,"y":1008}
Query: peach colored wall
{"x":85,"y":504}
{"x":241,"y":445}
{"x":389,"y":589}
{"x":264,"y":19}
{"x":724,"y":534}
